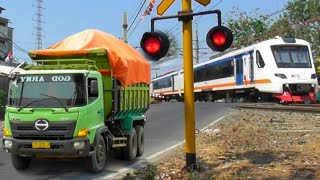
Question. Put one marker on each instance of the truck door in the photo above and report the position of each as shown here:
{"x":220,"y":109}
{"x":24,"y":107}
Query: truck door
{"x":239,"y":70}
{"x":95,"y":111}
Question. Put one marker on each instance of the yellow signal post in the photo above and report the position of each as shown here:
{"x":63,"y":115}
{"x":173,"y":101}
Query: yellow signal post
{"x":190,"y":147}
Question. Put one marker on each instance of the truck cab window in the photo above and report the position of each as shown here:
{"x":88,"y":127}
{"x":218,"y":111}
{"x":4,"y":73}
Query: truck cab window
{"x":92,"y":89}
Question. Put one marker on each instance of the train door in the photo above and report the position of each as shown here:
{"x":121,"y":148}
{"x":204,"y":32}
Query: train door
{"x":251,"y":70}
{"x":248,"y":69}
{"x":178,"y":82}
{"x":239,"y":70}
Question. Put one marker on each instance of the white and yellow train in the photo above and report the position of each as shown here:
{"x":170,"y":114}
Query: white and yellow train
{"x":279,"y":69}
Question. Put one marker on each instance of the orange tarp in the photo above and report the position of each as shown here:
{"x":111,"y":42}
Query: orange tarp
{"x":128,"y":65}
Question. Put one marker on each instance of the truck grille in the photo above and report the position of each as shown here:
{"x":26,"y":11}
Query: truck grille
{"x":56,"y":131}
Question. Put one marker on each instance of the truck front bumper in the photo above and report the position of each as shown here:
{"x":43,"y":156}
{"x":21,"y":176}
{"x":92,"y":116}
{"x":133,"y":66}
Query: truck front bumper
{"x":58,"y":148}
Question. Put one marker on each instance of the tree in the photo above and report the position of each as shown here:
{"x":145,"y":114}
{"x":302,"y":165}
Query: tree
{"x":244,"y":27}
{"x":299,"y":21}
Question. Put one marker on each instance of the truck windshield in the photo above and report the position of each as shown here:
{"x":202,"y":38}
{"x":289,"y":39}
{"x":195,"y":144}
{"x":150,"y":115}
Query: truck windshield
{"x":65,"y":90}
{"x":291,"y":56}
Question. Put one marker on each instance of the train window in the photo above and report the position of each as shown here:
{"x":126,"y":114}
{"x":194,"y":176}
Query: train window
{"x":214,"y":71}
{"x":162,"y":83}
{"x":260,"y":61}
{"x":291,"y":56}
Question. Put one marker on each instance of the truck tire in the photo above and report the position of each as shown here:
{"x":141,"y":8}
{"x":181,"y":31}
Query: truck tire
{"x":130,"y":151}
{"x":140,"y":140}
{"x":19,"y":162}
{"x":97,"y":161}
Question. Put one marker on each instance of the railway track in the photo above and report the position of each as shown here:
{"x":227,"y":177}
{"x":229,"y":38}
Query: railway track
{"x":307,"y":108}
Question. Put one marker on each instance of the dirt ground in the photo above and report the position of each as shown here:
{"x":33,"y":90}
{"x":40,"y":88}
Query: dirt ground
{"x":248,"y":144}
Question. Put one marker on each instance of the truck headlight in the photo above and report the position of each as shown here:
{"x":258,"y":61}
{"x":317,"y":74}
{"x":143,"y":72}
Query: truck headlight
{"x":79,"y":145}
{"x":7,"y":143}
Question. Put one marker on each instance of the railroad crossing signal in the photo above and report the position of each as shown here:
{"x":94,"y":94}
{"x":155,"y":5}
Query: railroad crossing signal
{"x":219,"y":38}
{"x":163,"y":6}
{"x":155,"y":44}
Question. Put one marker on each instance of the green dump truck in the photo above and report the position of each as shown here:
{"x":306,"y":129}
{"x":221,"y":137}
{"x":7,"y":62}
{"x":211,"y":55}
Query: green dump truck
{"x":74,"y":106}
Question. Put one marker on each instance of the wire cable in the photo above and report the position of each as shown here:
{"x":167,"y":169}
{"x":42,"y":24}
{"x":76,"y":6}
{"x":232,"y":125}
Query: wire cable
{"x":135,"y":11}
{"x":15,"y":45}
{"x":135,"y":18}
{"x":201,"y":15}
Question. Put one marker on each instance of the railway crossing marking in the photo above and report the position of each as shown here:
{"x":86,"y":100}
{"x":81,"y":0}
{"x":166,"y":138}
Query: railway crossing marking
{"x":203,"y":2}
{"x":165,"y":4}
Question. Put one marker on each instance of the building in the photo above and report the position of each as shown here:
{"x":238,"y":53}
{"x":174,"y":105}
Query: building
{"x":6,"y":38}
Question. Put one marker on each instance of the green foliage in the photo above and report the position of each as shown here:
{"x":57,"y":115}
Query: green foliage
{"x":152,"y":172}
{"x":245,"y":26}
{"x":297,"y":17}
{"x":293,"y":22}
{"x":173,"y":45}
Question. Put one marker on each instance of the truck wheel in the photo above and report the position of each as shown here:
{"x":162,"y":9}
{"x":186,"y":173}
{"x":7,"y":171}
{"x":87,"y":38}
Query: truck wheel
{"x":97,"y":161}
{"x":19,"y":162}
{"x":140,"y":140}
{"x":130,"y":151}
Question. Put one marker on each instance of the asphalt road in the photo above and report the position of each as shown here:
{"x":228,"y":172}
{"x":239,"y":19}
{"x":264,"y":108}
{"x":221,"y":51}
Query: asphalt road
{"x":164,"y":128}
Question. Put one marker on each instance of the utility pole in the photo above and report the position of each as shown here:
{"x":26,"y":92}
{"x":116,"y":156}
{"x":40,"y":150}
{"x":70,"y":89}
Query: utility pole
{"x":125,"y":27}
{"x":197,"y":45}
{"x":39,"y":22}
{"x":190,"y":147}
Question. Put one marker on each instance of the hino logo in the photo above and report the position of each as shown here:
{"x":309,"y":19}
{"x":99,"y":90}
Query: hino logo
{"x":41,"y":125}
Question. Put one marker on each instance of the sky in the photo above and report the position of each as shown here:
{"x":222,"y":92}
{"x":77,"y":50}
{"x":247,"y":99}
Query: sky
{"x":63,"y":18}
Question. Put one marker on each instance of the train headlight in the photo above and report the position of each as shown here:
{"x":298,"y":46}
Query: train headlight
{"x":280,"y":75}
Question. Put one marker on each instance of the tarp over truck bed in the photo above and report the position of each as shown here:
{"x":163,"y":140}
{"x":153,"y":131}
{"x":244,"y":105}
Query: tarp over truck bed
{"x":128,"y":65}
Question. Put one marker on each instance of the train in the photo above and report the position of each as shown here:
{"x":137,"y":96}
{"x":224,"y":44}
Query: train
{"x":279,"y":69}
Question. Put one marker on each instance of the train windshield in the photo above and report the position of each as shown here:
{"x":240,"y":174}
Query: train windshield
{"x":291,"y":56}
{"x":47,"y":90}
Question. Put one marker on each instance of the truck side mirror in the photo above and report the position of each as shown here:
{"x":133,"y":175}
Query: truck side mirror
{"x":94,"y":87}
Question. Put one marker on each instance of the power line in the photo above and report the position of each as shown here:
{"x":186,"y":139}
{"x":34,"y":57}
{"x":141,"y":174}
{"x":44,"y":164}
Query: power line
{"x":136,"y":11}
{"x":201,"y":15}
{"x":135,"y":18}
{"x":15,"y":45}
{"x":179,"y":23}
{"x":134,"y":28}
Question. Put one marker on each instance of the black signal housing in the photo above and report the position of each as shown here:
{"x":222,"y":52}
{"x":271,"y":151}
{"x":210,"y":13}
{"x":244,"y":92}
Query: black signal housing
{"x":155,"y":44}
{"x":219,"y":38}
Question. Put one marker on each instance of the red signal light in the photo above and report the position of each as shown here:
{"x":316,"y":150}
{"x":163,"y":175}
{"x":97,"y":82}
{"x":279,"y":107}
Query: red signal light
{"x":155,"y":44}
{"x":152,"y":45}
{"x":219,"y":38}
